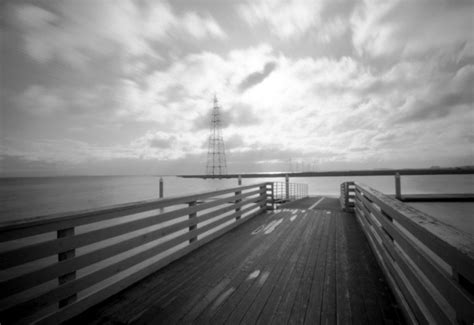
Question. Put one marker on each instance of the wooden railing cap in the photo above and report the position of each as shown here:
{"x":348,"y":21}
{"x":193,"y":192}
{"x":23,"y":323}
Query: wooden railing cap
{"x":146,"y":204}
{"x":459,"y":240}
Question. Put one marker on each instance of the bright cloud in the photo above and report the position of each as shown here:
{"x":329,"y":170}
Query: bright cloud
{"x":286,"y":19}
{"x":346,"y":86}
{"x":411,"y":27}
{"x":79,"y":30}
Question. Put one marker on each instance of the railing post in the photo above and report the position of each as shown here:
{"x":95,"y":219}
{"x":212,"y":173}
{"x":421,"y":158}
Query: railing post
{"x":237,"y":210}
{"x":263,"y":192}
{"x":287,"y":186}
{"x":269,"y":196}
{"x":62,"y":256}
{"x":193,"y":227}
{"x":161,"y":187}
{"x":273,"y":195}
{"x":240,"y":180}
{"x":398,"y":189}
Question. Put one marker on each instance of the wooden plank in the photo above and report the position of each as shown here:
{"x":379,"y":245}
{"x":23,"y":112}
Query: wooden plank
{"x":305,"y":305}
{"x":374,"y":276}
{"x":14,"y":229}
{"x":393,"y":281}
{"x":92,"y":299}
{"x":442,"y":281}
{"x":300,"y":231}
{"x":416,"y":306}
{"x":36,"y":251}
{"x":256,"y":260}
{"x":62,"y":256}
{"x":174,"y":291}
{"x":260,"y":259}
{"x":415,"y":279}
{"x":364,"y":296}
{"x":108,"y":271}
{"x":190,"y":293}
{"x":455,"y":247}
{"x":343,"y":306}
{"x":49,"y":272}
{"x":328,"y":312}
{"x":278,"y":265}
{"x":285,"y":309}
{"x":174,"y":287}
{"x":257,"y":292}
{"x":193,"y":226}
{"x":448,"y":197}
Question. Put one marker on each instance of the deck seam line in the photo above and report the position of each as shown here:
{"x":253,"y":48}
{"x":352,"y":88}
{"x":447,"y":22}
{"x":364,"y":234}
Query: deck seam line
{"x":314,"y":205}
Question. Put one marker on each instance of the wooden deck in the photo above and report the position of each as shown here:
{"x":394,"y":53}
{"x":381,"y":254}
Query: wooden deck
{"x":297,"y":265}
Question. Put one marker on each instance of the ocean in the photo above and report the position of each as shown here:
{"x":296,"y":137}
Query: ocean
{"x":36,"y":196}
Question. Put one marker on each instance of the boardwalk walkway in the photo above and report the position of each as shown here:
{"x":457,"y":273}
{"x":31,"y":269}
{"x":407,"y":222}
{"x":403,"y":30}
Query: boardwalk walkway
{"x":298,"y":265}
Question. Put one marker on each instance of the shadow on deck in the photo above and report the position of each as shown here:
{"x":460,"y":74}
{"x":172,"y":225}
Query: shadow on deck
{"x":307,"y":263}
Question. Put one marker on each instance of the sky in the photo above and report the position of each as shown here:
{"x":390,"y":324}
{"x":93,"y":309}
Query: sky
{"x":102,"y":87}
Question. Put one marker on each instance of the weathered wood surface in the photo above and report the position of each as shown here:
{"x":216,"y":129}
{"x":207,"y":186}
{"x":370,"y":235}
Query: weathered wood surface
{"x":79,"y":269}
{"x":294,"y":266}
{"x":429,"y":264}
{"x":461,"y":197}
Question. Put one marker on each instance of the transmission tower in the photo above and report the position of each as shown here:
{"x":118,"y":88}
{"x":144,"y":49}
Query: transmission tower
{"x":216,"y":162}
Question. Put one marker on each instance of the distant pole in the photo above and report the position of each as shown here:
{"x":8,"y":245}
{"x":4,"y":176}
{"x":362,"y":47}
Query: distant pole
{"x":161,"y":187}
{"x":240,"y":180}
{"x":287,"y":186}
{"x":398,"y":188}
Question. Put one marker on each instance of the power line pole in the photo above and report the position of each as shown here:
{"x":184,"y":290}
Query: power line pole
{"x":216,"y":161}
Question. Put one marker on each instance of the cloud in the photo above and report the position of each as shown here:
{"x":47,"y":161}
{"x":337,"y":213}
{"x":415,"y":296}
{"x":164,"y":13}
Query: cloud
{"x":75,"y":32}
{"x":238,"y":115}
{"x":286,"y":19}
{"x":382,"y":28}
{"x":332,"y":29}
{"x":202,"y":27}
{"x":442,"y":100}
{"x":257,"y":77}
{"x":161,"y":140}
{"x":39,"y":100}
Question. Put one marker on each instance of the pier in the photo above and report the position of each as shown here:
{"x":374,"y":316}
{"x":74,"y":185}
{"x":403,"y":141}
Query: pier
{"x":233,"y":256}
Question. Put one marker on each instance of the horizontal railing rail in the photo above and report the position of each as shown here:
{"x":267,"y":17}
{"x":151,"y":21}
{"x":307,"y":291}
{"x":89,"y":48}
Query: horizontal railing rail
{"x":289,"y":191}
{"x":347,"y":196}
{"x":430,"y":265}
{"x":54,"y":267}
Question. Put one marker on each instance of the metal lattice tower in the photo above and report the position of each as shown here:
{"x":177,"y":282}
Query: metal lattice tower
{"x":216,"y":162}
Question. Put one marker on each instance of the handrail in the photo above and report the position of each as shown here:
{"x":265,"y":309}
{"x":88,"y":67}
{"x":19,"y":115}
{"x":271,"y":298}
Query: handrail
{"x":283,"y":191}
{"x":347,"y":196}
{"x":430,"y":265}
{"x":49,"y":275}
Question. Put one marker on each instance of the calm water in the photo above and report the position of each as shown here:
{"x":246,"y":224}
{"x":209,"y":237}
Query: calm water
{"x":29,"y":197}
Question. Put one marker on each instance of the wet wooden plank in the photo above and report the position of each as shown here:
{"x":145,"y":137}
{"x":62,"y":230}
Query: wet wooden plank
{"x":303,"y":304}
{"x":313,"y":314}
{"x":268,"y":268}
{"x":281,"y":290}
{"x":343,"y":307}
{"x":313,"y":266}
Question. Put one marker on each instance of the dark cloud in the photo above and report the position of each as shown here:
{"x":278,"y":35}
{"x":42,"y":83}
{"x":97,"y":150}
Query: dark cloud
{"x":161,"y":143}
{"x":238,"y":115}
{"x":234,"y":141}
{"x":441,"y":104}
{"x":17,"y":165}
{"x":257,"y":77}
{"x":445,"y":105}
